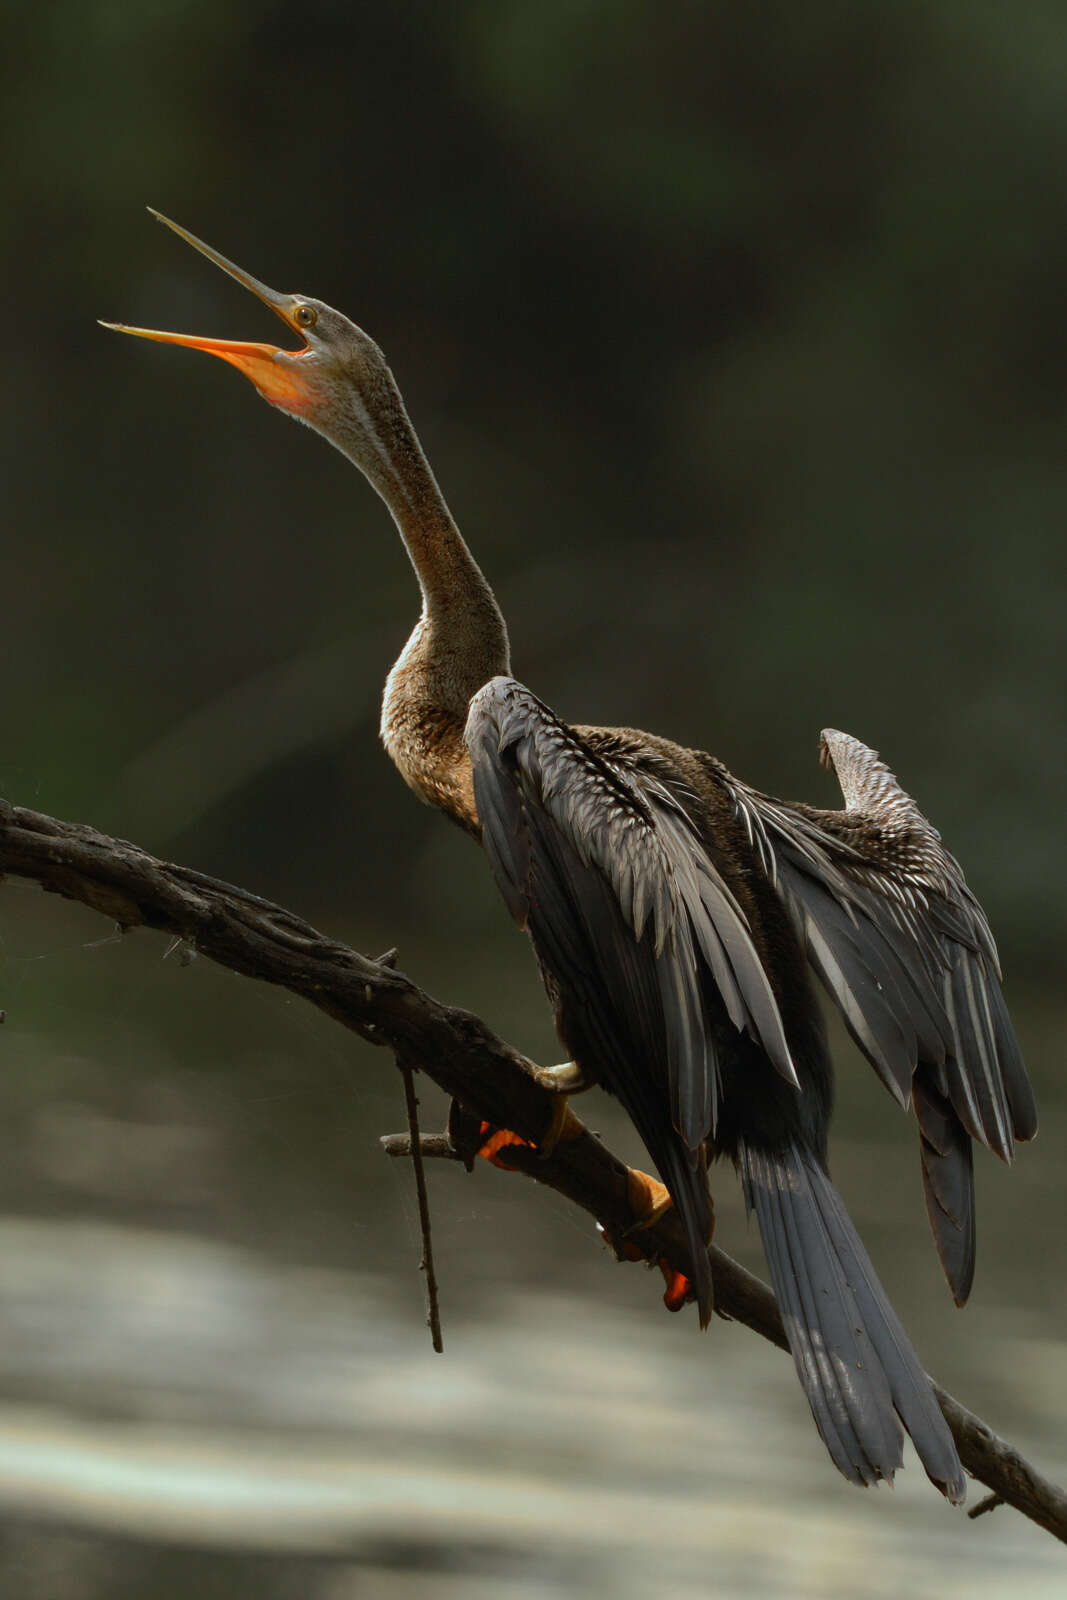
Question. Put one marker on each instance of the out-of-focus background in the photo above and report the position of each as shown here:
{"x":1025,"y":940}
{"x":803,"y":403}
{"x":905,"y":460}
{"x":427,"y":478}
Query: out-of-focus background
{"x":736,"y":336}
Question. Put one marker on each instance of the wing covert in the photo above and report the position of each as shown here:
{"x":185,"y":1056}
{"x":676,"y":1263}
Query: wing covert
{"x":905,"y":952}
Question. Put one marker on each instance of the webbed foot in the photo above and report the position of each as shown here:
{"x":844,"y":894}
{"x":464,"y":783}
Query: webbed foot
{"x":561,"y":1081}
{"x":649,"y":1200}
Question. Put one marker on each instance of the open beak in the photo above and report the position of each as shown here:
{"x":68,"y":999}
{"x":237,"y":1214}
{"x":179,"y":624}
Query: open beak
{"x":270,"y":368}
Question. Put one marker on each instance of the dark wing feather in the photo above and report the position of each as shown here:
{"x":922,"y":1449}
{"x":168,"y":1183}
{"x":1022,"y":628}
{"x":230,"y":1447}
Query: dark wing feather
{"x":630,"y":917}
{"x":906,"y":953}
{"x":948,"y":1185}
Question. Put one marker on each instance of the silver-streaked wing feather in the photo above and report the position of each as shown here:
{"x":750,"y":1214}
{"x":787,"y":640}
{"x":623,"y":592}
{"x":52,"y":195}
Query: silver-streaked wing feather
{"x":621,"y":820}
{"x":599,"y":861}
{"x":906,"y":953}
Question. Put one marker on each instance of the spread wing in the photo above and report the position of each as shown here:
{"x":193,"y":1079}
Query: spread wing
{"x":907,"y":955}
{"x":631,"y":921}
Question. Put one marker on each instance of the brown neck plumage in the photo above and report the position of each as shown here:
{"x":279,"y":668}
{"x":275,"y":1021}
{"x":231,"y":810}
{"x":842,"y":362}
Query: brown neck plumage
{"x":460,"y":640}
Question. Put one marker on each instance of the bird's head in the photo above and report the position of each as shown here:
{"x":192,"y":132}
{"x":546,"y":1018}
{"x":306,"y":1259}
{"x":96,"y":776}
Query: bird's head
{"x":337,"y":381}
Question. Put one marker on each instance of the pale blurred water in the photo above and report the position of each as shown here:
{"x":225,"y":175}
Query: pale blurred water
{"x":215,"y":1378}
{"x":183,"y":1393}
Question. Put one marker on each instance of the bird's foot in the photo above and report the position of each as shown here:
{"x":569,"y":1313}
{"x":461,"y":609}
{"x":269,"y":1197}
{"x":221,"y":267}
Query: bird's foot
{"x":494,"y":1140}
{"x":563,"y":1126}
{"x":561,"y":1081}
{"x":679,"y":1290}
{"x":565,"y":1078}
{"x":649,"y":1200}
{"x":647,"y":1197}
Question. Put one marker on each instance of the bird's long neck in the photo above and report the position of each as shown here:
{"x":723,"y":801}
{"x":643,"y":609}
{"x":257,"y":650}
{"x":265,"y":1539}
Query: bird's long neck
{"x":460,"y":640}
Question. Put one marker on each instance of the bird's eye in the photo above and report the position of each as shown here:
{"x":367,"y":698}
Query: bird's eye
{"x":305,"y":316}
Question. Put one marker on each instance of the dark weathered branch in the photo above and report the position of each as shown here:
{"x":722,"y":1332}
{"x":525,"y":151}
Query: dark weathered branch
{"x":493,"y":1082}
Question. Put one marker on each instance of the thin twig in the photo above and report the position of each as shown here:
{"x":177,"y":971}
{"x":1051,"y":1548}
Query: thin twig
{"x":433,"y":1310}
{"x":990,"y":1503}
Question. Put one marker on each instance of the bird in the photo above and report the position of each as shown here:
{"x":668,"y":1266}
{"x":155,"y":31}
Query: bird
{"x":679,"y":917}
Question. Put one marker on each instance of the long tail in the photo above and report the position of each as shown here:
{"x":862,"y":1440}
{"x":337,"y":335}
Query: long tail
{"x":852,"y":1356}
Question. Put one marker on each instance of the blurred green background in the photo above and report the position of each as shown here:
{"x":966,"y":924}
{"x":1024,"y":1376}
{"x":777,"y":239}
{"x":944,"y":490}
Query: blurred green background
{"x":736,"y":338}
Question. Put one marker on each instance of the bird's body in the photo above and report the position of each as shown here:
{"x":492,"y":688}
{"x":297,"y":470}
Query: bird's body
{"x":678,"y":916}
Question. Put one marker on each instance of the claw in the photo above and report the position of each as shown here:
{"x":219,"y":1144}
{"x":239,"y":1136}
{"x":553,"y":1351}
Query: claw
{"x":565,"y":1078}
{"x":679,"y":1290}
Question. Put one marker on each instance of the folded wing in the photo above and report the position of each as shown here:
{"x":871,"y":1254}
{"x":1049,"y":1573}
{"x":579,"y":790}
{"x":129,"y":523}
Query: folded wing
{"x":630,"y":917}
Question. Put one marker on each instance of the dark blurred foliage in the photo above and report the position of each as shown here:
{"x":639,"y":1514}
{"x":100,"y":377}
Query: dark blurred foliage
{"x":735,"y":336}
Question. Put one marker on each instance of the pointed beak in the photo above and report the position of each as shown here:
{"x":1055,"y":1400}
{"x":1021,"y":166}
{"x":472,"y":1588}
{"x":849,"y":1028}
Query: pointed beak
{"x":270,"y":368}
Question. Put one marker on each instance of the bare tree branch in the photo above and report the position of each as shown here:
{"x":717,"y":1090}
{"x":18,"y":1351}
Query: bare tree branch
{"x":489,"y":1080}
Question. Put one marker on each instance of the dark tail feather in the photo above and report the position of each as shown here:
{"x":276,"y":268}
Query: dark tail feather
{"x":948,"y":1183}
{"x":852,"y":1356}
